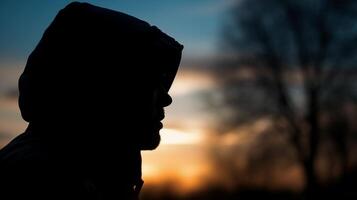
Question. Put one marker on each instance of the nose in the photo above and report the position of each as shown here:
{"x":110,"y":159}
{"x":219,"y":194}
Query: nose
{"x":166,"y":100}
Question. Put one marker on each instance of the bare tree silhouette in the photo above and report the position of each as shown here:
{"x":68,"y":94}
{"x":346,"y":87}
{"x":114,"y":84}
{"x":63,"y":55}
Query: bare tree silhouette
{"x":295,"y":63}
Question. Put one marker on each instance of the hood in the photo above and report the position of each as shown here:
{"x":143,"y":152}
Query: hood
{"x":89,"y":53}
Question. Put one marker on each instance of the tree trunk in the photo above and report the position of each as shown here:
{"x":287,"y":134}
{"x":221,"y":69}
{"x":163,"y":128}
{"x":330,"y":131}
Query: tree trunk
{"x":310,"y":178}
{"x":311,"y":186}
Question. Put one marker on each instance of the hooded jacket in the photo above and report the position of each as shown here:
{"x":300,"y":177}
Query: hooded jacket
{"x":82,"y":92}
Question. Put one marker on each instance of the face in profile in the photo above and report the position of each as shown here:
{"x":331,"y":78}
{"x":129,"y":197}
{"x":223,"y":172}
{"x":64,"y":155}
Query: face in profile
{"x":151,"y":118}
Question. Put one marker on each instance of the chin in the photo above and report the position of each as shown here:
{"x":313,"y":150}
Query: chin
{"x":151,"y":142}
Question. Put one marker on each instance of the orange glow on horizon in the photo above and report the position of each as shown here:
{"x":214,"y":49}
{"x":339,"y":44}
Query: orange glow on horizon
{"x":179,"y":161}
{"x":174,"y":136}
{"x":183,"y":179}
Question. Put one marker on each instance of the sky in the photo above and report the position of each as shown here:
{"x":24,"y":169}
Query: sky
{"x":193,"y":23}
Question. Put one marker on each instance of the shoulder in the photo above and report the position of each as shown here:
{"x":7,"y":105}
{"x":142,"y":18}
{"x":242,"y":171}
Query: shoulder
{"x":22,"y":150}
{"x":19,"y":167}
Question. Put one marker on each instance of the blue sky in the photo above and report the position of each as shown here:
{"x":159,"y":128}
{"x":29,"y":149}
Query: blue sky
{"x":196,"y":23}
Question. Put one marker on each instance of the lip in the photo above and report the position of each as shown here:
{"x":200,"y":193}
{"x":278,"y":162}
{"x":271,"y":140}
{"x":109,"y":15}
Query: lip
{"x":161,"y":116}
{"x":161,"y":113}
{"x":160,"y":125}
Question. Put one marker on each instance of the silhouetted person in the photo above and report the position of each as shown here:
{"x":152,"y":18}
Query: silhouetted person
{"x":93,"y":92}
